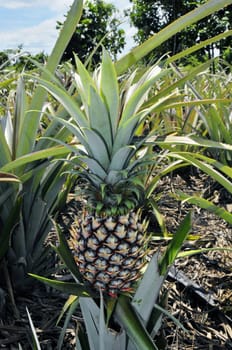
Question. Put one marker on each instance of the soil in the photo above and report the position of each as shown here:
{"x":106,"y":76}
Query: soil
{"x":199,"y":287}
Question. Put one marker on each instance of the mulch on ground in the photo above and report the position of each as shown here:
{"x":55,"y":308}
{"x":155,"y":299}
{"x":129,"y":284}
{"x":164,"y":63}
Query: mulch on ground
{"x":200,"y":286}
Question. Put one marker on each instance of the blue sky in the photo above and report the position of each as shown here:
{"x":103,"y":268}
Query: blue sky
{"x":32,"y":23}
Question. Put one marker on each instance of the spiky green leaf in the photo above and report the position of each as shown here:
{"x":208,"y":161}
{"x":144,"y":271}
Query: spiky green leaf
{"x":130,"y":321}
{"x":157,"y":39}
{"x":98,"y":147}
{"x":31,"y":120}
{"x":28,"y":158}
{"x":121,"y":158}
{"x":99,"y":118}
{"x":34,"y":335}
{"x":206,"y":204}
{"x":148,"y":291}
{"x":65,"y":287}
{"x":110,"y":90}
{"x":175,"y":244}
{"x":66,"y":101}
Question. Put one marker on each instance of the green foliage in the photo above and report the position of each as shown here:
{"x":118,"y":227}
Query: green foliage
{"x":25,"y":208}
{"x":3,"y":58}
{"x":35,"y":340}
{"x":166,"y":33}
{"x":213,"y":120}
{"x":24,"y":62}
{"x":18,"y":61}
{"x":150,"y":17}
{"x":99,"y":25}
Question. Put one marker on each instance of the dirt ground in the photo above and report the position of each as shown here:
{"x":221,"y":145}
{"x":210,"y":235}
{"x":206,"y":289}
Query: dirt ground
{"x":199,"y":287}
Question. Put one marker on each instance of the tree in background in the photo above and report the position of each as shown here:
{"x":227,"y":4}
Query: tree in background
{"x":19,"y":60}
{"x":98,"y":24}
{"x":150,"y":16}
{"x":3,"y":58}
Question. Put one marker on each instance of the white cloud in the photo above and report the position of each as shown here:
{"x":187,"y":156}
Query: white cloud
{"x":41,"y":36}
{"x":13,"y":4}
{"x":58,"y":6}
{"x":54,"y":5}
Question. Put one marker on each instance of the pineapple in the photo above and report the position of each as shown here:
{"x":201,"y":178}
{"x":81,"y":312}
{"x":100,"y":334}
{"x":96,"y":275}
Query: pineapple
{"x":109,"y":250}
{"x":108,"y":239}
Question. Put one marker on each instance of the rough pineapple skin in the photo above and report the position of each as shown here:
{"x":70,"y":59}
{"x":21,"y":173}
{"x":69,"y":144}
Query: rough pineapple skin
{"x":109,"y":251}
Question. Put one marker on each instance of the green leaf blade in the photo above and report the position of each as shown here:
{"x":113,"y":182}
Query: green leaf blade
{"x":110,"y":90}
{"x":175,"y":244}
{"x":132,"y":324}
{"x":99,"y":117}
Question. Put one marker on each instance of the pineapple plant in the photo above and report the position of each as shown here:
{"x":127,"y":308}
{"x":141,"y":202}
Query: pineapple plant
{"x":108,"y":238}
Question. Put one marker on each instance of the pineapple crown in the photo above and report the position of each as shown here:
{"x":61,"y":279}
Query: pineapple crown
{"x":107,"y":117}
{"x":113,"y":113}
{"x":109,"y":199}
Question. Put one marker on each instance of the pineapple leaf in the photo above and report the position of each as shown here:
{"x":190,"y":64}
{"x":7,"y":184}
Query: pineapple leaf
{"x":160,"y":310}
{"x":208,"y":166}
{"x":74,"y":129}
{"x":90,"y":312}
{"x":7,"y":177}
{"x":132,"y":324}
{"x":31,"y":120}
{"x":129,"y":204}
{"x":188,"y":253}
{"x":115,"y":177}
{"x":12,"y":220}
{"x":66,"y":100}
{"x":137,"y":96}
{"x":36,"y":344}
{"x":5,"y":139}
{"x":126,"y":131}
{"x":66,"y":287}
{"x":97,"y":146}
{"x":95,"y":167}
{"x":65,"y":254}
{"x":119,"y":198}
{"x":103,"y":190}
{"x":121,"y":157}
{"x":69,"y":307}
{"x":109,"y":89}
{"x":206,"y":204}
{"x":99,"y":117}
{"x":83,"y":81}
{"x":45,"y":153}
{"x":20,"y":112}
{"x":71,"y":299}
{"x":109,"y":339}
{"x":158,"y":38}
{"x":99,"y":207}
{"x":148,"y":291}
{"x":175,"y":244}
{"x":110,"y":307}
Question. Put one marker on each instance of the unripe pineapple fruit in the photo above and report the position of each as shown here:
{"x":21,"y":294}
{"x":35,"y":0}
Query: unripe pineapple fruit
{"x":109,"y":251}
